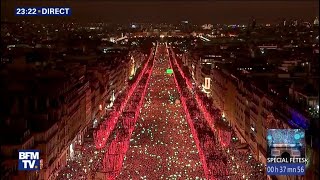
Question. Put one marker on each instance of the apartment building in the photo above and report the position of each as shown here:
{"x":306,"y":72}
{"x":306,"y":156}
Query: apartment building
{"x":194,"y":66}
{"x":118,"y":77}
{"x":50,"y":105}
{"x":18,"y":137}
{"x":98,"y":76}
{"x":252,"y":106}
{"x":201,"y":66}
{"x":136,"y":61}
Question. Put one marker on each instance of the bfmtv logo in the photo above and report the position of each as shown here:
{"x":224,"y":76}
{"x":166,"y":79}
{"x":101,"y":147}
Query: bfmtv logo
{"x":29,"y":160}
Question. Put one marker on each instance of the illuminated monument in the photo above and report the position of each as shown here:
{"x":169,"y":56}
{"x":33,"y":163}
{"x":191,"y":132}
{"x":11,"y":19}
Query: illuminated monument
{"x":286,"y":143}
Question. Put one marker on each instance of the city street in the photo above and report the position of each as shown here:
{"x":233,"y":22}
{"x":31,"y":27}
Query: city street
{"x":128,"y":91}
{"x":150,"y":138}
{"x":159,"y":130}
{"x":162,"y":144}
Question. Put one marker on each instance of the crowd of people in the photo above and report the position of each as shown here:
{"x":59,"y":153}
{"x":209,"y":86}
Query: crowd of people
{"x":135,"y":137}
{"x":161,"y":146}
{"x":105,"y":152}
{"x":216,"y":143}
{"x":116,"y":151}
{"x":120,"y":103}
{"x":215,"y":163}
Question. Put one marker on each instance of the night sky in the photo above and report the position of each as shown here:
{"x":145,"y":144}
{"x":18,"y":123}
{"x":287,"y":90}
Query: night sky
{"x":172,"y":12}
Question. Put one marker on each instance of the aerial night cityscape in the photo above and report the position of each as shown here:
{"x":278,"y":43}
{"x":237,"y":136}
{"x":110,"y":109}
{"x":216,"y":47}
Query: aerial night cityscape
{"x":159,"y":89}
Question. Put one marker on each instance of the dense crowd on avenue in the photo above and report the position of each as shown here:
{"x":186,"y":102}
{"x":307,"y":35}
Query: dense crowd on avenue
{"x":104,"y":152}
{"x":222,"y":156}
{"x":160,"y":128}
{"x":116,"y":151}
{"x":214,"y":162}
{"x":162,"y":146}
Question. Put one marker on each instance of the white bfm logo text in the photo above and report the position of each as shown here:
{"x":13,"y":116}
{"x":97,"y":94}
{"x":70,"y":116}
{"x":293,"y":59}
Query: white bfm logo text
{"x":28,"y":162}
